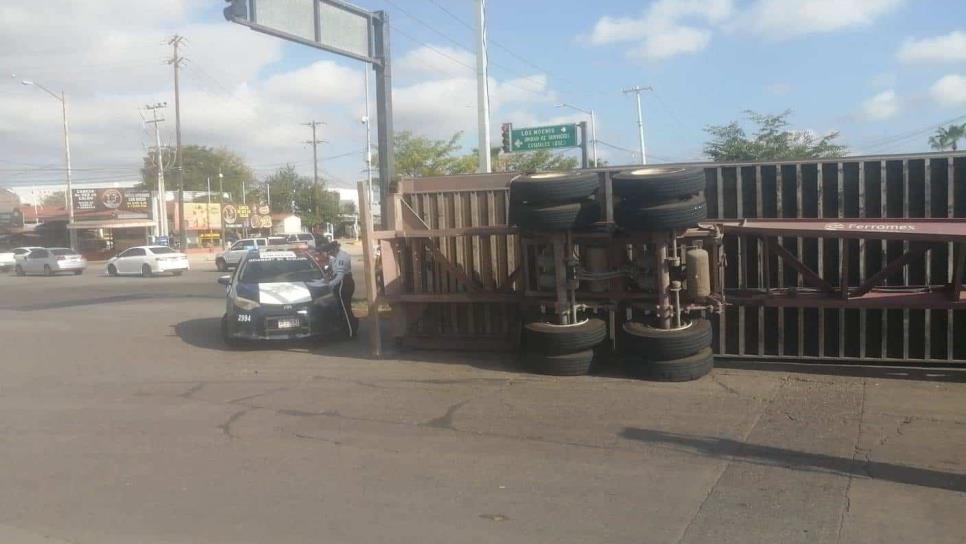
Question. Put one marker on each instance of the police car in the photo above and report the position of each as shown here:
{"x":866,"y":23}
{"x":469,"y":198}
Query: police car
{"x":279,"y":294}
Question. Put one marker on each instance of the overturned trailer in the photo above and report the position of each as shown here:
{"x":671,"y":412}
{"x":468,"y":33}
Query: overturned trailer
{"x":468,"y":262}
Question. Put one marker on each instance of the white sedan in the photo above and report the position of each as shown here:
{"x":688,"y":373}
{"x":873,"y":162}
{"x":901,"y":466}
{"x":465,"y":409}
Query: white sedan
{"x":7,"y":260}
{"x":147,"y":261}
{"x":49,"y":261}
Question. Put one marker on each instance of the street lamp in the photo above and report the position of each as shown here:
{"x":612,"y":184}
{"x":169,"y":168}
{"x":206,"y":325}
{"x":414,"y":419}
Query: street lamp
{"x":71,"y":233}
{"x":593,"y":125}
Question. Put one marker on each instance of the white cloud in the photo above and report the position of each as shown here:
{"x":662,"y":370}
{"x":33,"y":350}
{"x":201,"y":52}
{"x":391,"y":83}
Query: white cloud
{"x":436,"y":61}
{"x":946,"y":48}
{"x":881,"y":106}
{"x":950,"y":90}
{"x":783,"y":19}
{"x":780,"y":88}
{"x":660,"y":31}
{"x":239,"y":90}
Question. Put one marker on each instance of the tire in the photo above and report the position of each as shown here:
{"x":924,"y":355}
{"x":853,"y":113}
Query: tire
{"x":176,"y":272}
{"x":555,"y":217}
{"x":48,"y":271}
{"x":684,"y":369}
{"x":146,"y":271}
{"x":570,"y":364}
{"x":230,"y":341}
{"x":658,"y":183}
{"x":221,"y":265}
{"x":550,"y":339}
{"x":18,"y":270}
{"x":651,"y":343}
{"x":111,"y":270}
{"x":554,"y":187}
{"x":78,"y":272}
{"x":678,"y":214}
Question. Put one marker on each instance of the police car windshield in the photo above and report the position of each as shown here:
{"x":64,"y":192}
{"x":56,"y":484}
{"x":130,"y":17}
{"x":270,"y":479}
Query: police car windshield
{"x":257,"y":270}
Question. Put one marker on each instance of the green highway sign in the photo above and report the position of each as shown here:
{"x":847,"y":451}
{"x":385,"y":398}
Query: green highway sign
{"x":551,"y":137}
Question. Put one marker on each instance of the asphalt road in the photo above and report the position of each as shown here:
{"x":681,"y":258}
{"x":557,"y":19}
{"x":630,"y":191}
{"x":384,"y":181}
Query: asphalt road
{"x":124,"y":419}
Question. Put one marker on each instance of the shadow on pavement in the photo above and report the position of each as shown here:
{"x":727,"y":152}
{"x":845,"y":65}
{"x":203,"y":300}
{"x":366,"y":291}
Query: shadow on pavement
{"x":799,"y":460}
{"x":855,"y":370}
{"x":205,"y":333}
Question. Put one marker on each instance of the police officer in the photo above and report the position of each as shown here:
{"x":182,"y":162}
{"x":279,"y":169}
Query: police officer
{"x":342,"y":283}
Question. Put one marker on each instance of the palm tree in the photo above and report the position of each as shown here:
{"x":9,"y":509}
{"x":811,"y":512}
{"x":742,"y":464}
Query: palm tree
{"x":947,"y":137}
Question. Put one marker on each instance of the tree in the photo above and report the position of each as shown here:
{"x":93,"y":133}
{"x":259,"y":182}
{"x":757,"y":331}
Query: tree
{"x":54,"y":200}
{"x":292,"y":193}
{"x":200,"y":162}
{"x":772,"y":140}
{"x":947,"y":137}
{"x":418,"y":156}
{"x":535,"y":161}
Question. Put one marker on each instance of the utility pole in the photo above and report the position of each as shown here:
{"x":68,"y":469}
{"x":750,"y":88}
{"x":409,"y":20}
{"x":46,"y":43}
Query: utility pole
{"x":482,"y":89}
{"x":208,"y":208}
{"x":221,"y":191}
{"x":637,"y":89}
{"x":175,"y":61}
{"x":314,"y":142}
{"x":69,"y":194}
{"x":162,"y":199}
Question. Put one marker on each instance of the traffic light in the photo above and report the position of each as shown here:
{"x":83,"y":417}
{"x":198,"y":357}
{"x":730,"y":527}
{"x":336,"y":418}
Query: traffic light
{"x":237,"y":9}
{"x":506,"y":130}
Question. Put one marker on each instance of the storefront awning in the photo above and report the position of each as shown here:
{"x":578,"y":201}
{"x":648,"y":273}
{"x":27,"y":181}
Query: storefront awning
{"x":113,"y":224}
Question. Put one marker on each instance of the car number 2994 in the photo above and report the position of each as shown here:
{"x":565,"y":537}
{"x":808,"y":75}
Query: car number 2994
{"x":245,"y":318}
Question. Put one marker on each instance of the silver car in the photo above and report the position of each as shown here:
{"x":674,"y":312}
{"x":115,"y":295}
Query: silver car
{"x":49,"y":261}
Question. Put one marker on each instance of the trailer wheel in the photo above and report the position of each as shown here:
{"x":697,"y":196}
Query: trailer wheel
{"x":556,"y":217}
{"x":684,"y":369}
{"x":554,"y":187}
{"x":659,"y":183}
{"x":643,"y":341}
{"x":673,"y":215}
{"x":551,"y":339}
{"x":570,"y":364}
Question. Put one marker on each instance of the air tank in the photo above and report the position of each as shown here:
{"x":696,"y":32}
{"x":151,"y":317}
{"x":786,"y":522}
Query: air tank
{"x":699,"y":274}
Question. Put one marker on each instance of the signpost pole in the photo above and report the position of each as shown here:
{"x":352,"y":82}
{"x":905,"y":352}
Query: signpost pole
{"x":583,"y":144}
{"x":383,"y":111}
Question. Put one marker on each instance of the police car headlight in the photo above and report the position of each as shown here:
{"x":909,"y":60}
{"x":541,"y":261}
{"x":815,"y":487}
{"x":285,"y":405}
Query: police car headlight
{"x":245,"y":303}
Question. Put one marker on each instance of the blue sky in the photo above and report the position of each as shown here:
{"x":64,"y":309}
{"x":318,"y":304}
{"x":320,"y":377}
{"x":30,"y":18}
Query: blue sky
{"x":882,"y":72}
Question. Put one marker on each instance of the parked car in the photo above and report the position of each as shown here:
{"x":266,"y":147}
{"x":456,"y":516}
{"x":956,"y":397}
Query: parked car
{"x":19,"y":253}
{"x":278,"y":295}
{"x":7,"y":261}
{"x":233,"y":255}
{"x":306,"y":238}
{"x":49,"y":261}
{"x":148,"y":261}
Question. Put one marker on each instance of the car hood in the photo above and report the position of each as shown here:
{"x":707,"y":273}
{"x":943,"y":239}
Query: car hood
{"x":289,"y":292}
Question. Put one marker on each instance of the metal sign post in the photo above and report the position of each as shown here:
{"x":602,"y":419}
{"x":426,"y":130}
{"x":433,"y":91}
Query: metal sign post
{"x":341,"y":28}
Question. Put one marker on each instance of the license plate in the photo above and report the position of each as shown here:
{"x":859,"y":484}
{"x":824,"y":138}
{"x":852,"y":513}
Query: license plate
{"x":287,"y":323}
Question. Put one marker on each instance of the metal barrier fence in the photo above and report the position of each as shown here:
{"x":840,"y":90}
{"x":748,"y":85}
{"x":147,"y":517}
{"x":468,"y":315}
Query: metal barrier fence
{"x":925,"y":185}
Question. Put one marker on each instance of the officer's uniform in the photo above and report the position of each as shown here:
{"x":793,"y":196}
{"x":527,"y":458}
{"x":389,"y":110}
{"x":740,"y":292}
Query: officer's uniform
{"x":344,"y":285}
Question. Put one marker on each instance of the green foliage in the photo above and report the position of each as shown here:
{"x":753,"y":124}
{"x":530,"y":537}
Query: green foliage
{"x":54,"y":200}
{"x":200,"y":162}
{"x":418,"y":156}
{"x":772,"y":140}
{"x":297,"y":194}
{"x":535,"y":161}
{"x":947,"y":137}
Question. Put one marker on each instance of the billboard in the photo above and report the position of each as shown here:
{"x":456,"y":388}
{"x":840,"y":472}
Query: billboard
{"x":112,"y":200}
{"x":202,"y":216}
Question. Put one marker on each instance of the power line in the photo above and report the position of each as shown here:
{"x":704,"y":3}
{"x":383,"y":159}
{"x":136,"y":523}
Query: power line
{"x":516,"y":55}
